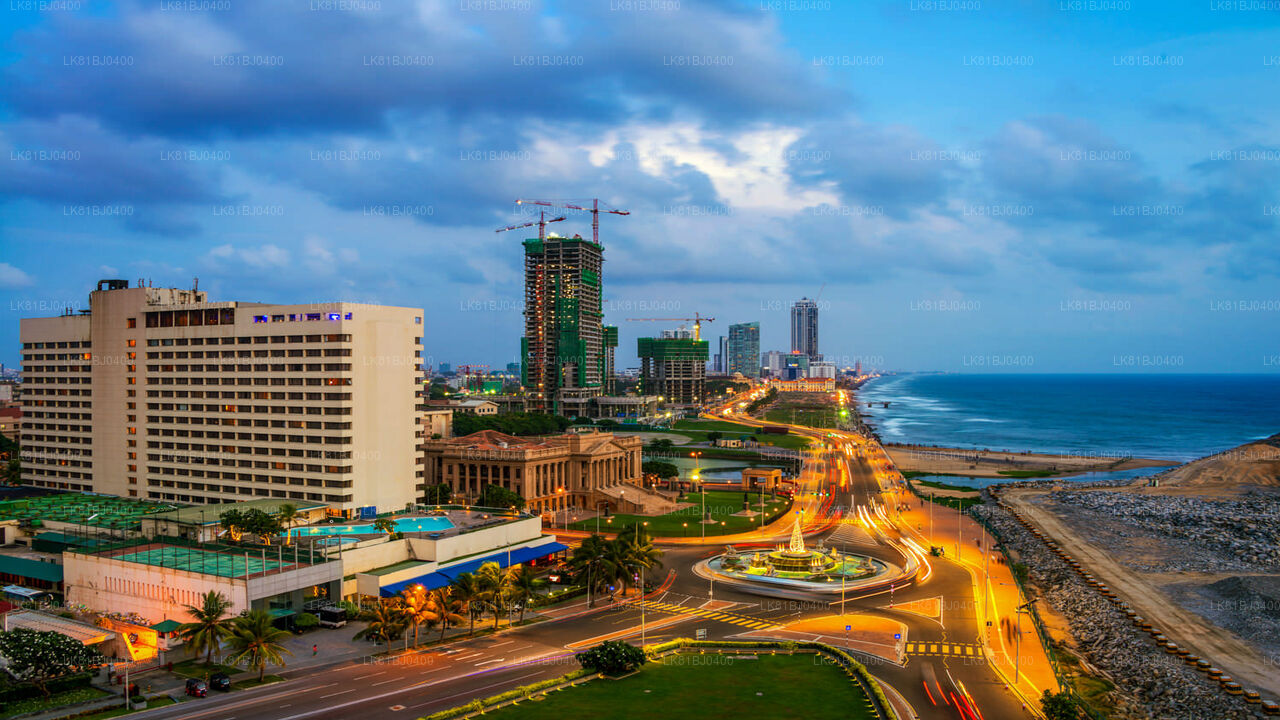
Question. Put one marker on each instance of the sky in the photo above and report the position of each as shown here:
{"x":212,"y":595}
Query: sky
{"x":963,"y":185}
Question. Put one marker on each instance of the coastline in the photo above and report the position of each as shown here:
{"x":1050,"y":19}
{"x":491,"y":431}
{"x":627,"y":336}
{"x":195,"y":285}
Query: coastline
{"x":1009,"y":465}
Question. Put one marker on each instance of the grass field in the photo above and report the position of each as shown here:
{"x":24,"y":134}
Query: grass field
{"x":944,"y":486}
{"x":811,"y":417}
{"x":696,"y":430}
{"x":153,"y":703}
{"x":53,"y":702}
{"x":708,"y":686}
{"x":721,"y":505}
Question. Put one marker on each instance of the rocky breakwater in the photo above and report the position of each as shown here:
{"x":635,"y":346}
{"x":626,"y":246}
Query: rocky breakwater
{"x":1241,"y":534}
{"x":1150,"y":683}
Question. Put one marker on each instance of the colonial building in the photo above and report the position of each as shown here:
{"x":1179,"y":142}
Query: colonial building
{"x":550,"y":473}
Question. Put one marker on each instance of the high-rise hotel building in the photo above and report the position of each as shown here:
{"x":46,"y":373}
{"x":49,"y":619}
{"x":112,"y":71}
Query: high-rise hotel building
{"x":804,"y":328}
{"x":157,"y":393}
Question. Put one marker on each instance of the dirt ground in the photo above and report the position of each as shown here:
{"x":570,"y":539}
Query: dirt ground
{"x":1142,"y":591}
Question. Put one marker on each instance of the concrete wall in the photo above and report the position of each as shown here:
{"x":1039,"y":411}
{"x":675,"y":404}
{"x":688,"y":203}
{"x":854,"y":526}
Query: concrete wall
{"x":155,"y":593}
{"x":446,"y":549}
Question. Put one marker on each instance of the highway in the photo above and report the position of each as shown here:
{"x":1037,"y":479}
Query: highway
{"x":944,"y":673}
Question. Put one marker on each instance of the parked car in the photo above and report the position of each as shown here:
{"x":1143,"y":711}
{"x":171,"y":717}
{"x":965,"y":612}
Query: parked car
{"x":197,"y":688}
{"x":332,"y":617}
{"x":220,"y":681}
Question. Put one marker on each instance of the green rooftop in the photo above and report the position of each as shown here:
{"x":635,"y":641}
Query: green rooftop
{"x":27,"y":568}
{"x":209,"y":514}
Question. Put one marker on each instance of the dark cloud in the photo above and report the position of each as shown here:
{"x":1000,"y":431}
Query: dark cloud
{"x":75,"y":160}
{"x":263,"y":68}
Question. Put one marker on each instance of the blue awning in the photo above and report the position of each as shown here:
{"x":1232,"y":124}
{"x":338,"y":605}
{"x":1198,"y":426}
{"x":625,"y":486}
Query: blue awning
{"x":445,"y":576}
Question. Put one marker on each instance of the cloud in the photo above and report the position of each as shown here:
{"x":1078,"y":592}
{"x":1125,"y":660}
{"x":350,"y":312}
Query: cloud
{"x":11,"y":278}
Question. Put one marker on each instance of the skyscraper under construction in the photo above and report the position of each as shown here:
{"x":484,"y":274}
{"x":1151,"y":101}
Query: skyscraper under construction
{"x":562,"y":351}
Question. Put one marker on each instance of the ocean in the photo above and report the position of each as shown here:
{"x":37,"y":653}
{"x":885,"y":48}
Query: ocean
{"x":1169,"y":417}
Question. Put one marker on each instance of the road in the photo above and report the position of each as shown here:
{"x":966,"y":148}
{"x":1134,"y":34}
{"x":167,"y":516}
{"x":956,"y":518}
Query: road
{"x":945,"y":674}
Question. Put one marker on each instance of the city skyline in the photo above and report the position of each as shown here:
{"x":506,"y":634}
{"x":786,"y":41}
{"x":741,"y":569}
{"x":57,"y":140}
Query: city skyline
{"x":970,"y":187}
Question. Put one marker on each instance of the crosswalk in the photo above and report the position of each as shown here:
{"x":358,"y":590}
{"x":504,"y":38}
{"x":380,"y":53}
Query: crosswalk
{"x":944,"y":649}
{"x":849,"y":532}
{"x":726,"y":617}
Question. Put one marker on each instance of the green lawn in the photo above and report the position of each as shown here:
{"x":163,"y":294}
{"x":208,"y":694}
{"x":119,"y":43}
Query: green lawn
{"x":696,"y":431}
{"x":809,"y":416}
{"x":708,"y":686}
{"x":54,"y":701}
{"x":122,"y":710}
{"x":961,"y":503}
{"x":721,"y":504}
{"x":943,"y":486}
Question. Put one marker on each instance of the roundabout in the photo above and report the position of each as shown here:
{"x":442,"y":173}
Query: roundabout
{"x":794,"y":568}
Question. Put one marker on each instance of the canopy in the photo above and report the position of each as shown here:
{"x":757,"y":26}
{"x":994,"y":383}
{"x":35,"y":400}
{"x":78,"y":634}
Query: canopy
{"x":444,"y":576}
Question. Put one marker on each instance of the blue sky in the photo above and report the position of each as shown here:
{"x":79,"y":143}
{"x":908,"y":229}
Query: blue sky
{"x":1027,"y":186}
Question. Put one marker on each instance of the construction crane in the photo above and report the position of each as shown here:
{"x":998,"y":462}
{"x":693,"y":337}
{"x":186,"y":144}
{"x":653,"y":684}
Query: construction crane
{"x":697,"y":321}
{"x":473,"y":375}
{"x":594,"y":210}
{"x":542,"y":224}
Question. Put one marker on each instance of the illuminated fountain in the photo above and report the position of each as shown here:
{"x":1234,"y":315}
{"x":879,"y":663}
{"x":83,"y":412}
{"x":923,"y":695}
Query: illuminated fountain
{"x":793,"y":566}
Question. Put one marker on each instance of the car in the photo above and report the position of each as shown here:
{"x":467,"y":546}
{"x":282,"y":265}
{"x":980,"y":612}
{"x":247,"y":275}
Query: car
{"x":220,"y":681}
{"x":197,"y":688}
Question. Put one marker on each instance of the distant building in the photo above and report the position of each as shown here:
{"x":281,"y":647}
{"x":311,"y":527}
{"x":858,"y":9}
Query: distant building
{"x":159,"y":393}
{"x":11,"y":423}
{"x":804,"y":328}
{"x":822,"y":369}
{"x":773,"y":362}
{"x":681,"y":333}
{"x":610,"y":354}
{"x":743,"y":349}
{"x":722,"y":357}
{"x":7,"y":393}
{"x":795,"y":366}
{"x":563,"y":348}
{"x":804,"y":385}
{"x":673,"y":368}
{"x":446,"y":369}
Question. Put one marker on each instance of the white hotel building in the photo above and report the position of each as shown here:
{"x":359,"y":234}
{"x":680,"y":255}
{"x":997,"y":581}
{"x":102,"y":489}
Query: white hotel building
{"x":157,"y":393}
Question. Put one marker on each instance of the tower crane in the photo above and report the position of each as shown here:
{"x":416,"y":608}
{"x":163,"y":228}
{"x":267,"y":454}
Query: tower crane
{"x":697,"y":321}
{"x":542,"y":224}
{"x":594,"y":210}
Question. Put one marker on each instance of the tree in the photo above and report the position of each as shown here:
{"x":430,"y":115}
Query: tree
{"x":661,"y":444}
{"x":211,"y":624}
{"x":13,"y":471}
{"x":494,"y":589}
{"x":586,"y":565}
{"x":287,"y":513}
{"x":232,"y":521}
{"x":386,"y":525}
{"x":385,"y":621}
{"x":1059,"y":706}
{"x":438,"y":494}
{"x":416,"y":608}
{"x":496,"y":496}
{"x":640,"y":550}
{"x":612,"y":657}
{"x":448,"y":609}
{"x":306,"y":621}
{"x":713,"y":436}
{"x":466,"y":593}
{"x":38,"y":656}
{"x":659,"y":469}
{"x":525,"y":585}
{"x":256,"y":642}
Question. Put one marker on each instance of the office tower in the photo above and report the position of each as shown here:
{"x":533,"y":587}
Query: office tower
{"x":804,"y":328}
{"x":563,"y":344}
{"x":159,"y":393}
{"x":744,"y":349}
{"x":795,"y":366}
{"x":722,"y":361}
{"x":673,"y":368}
{"x":822,"y":369}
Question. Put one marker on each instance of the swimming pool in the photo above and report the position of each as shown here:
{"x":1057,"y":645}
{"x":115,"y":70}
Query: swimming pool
{"x":433,"y":523}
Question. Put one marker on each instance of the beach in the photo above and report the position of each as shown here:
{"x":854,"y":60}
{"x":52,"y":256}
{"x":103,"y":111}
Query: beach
{"x":1009,"y":464}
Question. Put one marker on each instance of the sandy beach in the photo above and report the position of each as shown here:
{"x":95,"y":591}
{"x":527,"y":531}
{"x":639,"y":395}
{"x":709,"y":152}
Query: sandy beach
{"x":990,"y":463}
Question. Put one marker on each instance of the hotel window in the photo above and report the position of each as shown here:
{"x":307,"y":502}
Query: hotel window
{"x":277,"y":318}
{"x":259,"y":318}
{"x":131,"y":343}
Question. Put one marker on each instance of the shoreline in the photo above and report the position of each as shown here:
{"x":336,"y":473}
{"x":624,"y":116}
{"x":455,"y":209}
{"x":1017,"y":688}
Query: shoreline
{"x":1016,"y":465}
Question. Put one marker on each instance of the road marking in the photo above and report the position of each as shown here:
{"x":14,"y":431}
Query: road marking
{"x":384,"y":682}
{"x":508,"y":642}
{"x":362,"y":677}
{"x":340,"y":692}
{"x":468,"y":657}
{"x":433,"y":701}
{"x":489,"y":662}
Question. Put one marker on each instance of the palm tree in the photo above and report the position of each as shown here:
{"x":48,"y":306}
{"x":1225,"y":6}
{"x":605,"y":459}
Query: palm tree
{"x":586,"y":565}
{"x":287,"y":514}
{"x":467,"y":593}
{"x":525,"y":584}
{"x":493,"y":589}
{"x":416,"y":608}
{"x":385,"y":525}
{"x":385,"y":619}
{"x":257,"y":642}
{"x":616,"y":563}
{"x":210,"y":626}
{"x":641,"y":552}
{"x":448,"y":609}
